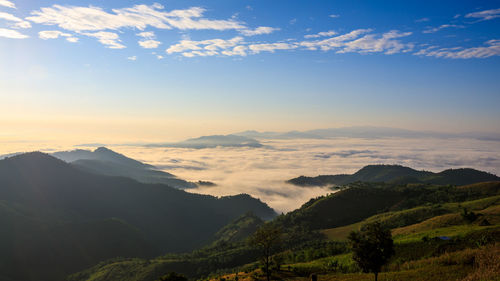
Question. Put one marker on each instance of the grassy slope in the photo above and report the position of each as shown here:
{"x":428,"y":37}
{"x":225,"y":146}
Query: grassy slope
{"x":457,"y":259}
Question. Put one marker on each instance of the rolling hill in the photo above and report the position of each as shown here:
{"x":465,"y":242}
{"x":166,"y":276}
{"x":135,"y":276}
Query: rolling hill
{"x":70,"y":219}
{"x":104,"y":161}
{"x":398,"y":174}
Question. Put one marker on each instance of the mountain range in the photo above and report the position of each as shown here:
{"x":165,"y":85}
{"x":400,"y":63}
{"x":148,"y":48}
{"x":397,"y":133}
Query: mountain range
{"x":213,"y":141}
{"x":58,"y":218}
{"x":107,"y":162}
{"x":398,"y":174}
{"x":364,"y":132}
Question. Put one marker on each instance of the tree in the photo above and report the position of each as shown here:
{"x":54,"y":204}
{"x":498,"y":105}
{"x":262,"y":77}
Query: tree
{"x":267,"y":239}
{"x":372,"y":247}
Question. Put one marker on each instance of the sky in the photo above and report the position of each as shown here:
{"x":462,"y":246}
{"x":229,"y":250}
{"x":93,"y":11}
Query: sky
{"x":131,"y":71}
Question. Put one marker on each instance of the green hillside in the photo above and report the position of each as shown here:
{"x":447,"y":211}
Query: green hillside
{"x":398,"y":175}
{"x":313,"y":246}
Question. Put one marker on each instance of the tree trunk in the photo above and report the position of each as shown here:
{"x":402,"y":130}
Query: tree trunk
{"x":376,"y":276}
{"x":267,"y":268}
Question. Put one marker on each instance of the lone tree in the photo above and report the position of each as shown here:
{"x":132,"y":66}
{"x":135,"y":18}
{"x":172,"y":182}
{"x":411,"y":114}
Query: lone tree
{"x":268,"y":240}
{"x":372,"y":247}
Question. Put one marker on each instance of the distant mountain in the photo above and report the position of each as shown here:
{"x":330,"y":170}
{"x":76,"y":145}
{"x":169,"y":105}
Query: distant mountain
{"x":101,"y":154}
{"x":57,"y":219}
{"x":398,"y":174}
{"x":214,"y":141}
{"x":364,"y":132}
{"x":104,"y":161}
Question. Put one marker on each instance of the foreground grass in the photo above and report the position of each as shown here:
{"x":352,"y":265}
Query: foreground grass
{"x":466,"y":265}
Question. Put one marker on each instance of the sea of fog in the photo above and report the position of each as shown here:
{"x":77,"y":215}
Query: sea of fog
{"x":262,"y":172}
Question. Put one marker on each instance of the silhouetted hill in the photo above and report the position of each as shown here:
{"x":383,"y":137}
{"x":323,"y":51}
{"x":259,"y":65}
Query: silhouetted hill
{"x":58,"y":198}
{"x":214,"y":141}
{"x":398,"y":174}
{"x":102,"y":154}
{"x":107,"y":162}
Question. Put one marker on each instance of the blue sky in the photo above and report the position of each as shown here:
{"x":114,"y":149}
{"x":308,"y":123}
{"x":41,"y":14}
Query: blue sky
{"x":197,"y":67}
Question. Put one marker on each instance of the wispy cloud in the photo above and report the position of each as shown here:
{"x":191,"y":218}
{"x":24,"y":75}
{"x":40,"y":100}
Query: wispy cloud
{"x":132,"y":58}
{"x":443,"y":26}
{"x":370,"y":43}
{"x":321,"y":34}
{"x":422,"y":20}
{"x":12,"y":34}
{"x":492,"y":48}
{"x":7,"y":3}
{"x":349,"y":42}
{"x":485,"y":15}
{"x":139,"y":16}
{"x":110,"y":39}
{"x":54,"y":34}
{"x":259,"y":31}
{"x":18,"y":22}
{"x":190,"y":48}
{"x":271,"y":47}
{"x":334,"y":16}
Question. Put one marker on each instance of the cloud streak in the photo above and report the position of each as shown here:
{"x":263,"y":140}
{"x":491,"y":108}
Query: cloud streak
{"x":18,"y":22}
{"x":12,"y":34}
{"x":491,"y":48}
{"x":443,"y":26}
{"x":386,"y":43}
{"x":7,"y":4}
{"x":485,"y":15}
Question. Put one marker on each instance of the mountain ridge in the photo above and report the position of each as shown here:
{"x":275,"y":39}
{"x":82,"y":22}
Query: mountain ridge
{"x":398,"y":174}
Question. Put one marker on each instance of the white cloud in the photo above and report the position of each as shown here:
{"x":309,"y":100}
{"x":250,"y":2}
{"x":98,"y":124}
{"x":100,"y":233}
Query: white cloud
{"x":436,"y":29}
{"x":72,"y":39}
{"x":109,"y":39}
{"x":236,"y":51}
{"x":149,"y":44}
{"x":456,"y":16}
{"x":147,"y":35}
{"x":333,"y":16}
{"x":349,"y":42}
{"x":7,"y":3}
{"x":259,"y":31}
{"x":321,"y":34}
{"x":485,"y":15}
{"x":13,"y":34}
{"x":54,"y":34}
{"x":212,"y":47}
{"x":492,"y":49}
{"x":132,"y":58}
{"x":18,"y":22}
{"x":333,"y":42}
{"x":385,"y":43}
{"x":160,"y":57}
{"x":91,"y":18}
{"x":271,"y":47}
